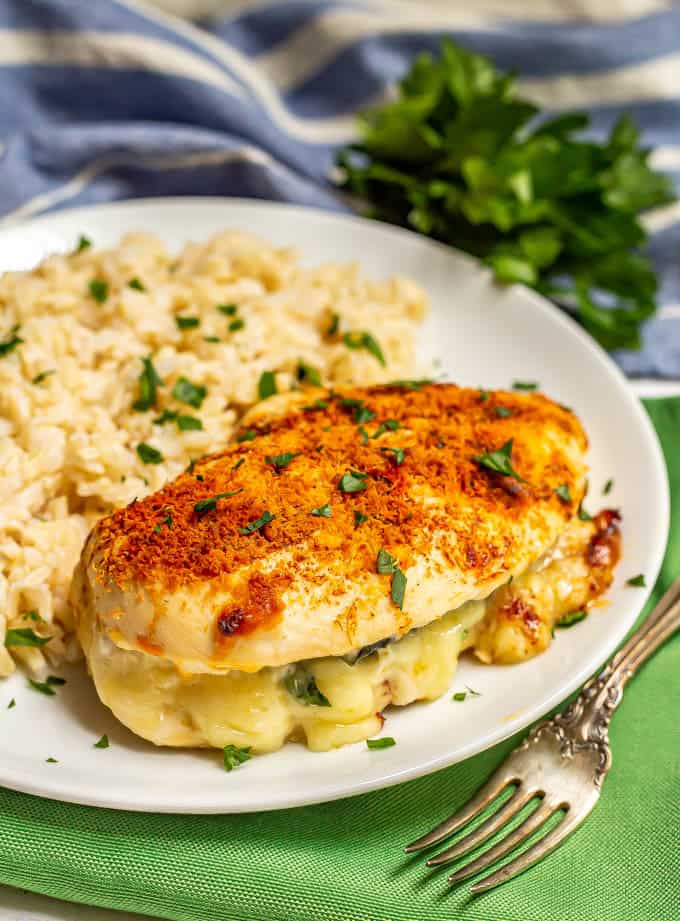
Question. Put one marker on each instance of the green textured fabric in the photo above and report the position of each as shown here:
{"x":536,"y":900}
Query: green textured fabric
{"x":342,"y":861}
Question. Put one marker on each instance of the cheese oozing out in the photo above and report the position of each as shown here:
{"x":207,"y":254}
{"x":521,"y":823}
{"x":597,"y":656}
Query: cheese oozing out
{"x":150,"y":696}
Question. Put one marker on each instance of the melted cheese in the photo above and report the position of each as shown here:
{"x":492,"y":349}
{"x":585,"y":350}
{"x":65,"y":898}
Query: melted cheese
{"x":151,"y":697}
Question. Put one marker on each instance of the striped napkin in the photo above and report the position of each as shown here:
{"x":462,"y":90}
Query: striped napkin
{"x":116,"y":99}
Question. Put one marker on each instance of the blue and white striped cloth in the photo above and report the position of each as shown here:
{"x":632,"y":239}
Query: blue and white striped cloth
{"x":108,"y":99}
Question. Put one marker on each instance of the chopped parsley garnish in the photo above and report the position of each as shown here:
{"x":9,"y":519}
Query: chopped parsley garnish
{"x":164,"y":521}
{"x":499,"y":461}
{"x":307,"y":373}
{"x":234,"y":756}
{"x":11,"y":342}
{"x":364,"y":340}
{"x":570,"y":619}
{"x":384,"y":742}
{"x":168,"y":415}
{"x":51,"y":761}
{"x":397,"y":454}
{"x":316,"y":405}
{"x":207,"y":505}
{"x":562,"y":492}
{"x":102,"y":743}
{"x":99,"y":289}
{"x":525,"y":385}
{"x":12,"y":704}
{"x":386,"y":564}
{"x":259,"y":523}
{"x":334,"y":325}
{"x":388,"y":425}
{"x":238,"y":463}
{"x":352,"y":482}
{"x":359,"y":518}
{"x":83,"y":243}
{"x":189,"y":423}
{"x":136,"y":285}
{"x":484,"y":396}
{"x":149,"y":381}
{"x":301,"y":684}
{"x":187,"y":322}
{"x":266,"y":386}
{"x":459,"y":696}
{"x":248,"y":435}
{"x":279,"y":461}
{"x":149,"y":455}
{"x":607,"y":487}
{"x":502,"y":411}
{"x":186,"y":392}
{"x":360,"y":411}
{"x":211,"y":339}
{"x":583,"y":514}
{"x":31,"y":615}
{"x":323,"y":511}
{"x":364,"y":434}
{"x":228,"y":310}
{"x":409,"y":385}
{"x":236,"y":325}
{"x":46,"y":687}
{"x":24,"y":636}
{"x":39,"y":378}
{"x":637,"y":581}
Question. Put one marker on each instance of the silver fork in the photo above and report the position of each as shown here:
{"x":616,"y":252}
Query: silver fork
{"x":563,"y":762}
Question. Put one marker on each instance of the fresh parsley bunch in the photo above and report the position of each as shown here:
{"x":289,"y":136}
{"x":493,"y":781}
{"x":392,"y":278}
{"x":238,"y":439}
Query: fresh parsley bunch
{"x":454,"y":157}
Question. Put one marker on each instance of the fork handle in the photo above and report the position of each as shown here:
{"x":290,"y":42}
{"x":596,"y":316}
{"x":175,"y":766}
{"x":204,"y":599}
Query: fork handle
{"x":586,"y":719}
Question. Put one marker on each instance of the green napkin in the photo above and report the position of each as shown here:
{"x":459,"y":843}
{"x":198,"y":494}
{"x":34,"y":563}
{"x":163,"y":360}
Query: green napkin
{"x":343,"y":861}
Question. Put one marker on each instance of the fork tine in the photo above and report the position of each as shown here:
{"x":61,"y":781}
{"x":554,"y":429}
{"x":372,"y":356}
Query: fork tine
{"x":488,"y":792}
{"x":509,"y":843}
{"x":509,"y":808}
{"x":532,"y":855}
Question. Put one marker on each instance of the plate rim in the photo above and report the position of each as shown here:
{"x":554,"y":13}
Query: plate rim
{"x":285,"y":800}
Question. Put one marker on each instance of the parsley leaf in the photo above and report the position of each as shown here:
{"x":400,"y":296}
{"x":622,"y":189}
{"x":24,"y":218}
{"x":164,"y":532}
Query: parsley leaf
{"x":248,"y":435}
{"x":187,"y":322}
{"x":234,"y":756}
{"x":524,"y":385}
{"x":323,"y":511}
{"x":583,"y":515}
{"x":259,"y":523}
{"x":384,"y":742}
{"x":398,"y":455}
{"x":186,"y":392}
{"x":635,"y":582}
{"x":570,"y":619}
{"x":352,"y":482}
{"x":39,"y":378}
{"x":99,"y":289}
{"x":333,"y":325}
{"x":11,"y":342}
{"x":12,"y":704}
{"x":236,"y":325}
{"x":459,"y":696}
{"x":149,"y":455}
{"x":24,"y":636}
{"x":136,"y":285}
{"x":607,"y":488}
{"x":316,"y":405}
{"x":266,"y":386}
{"x":398,"y":588}
{"x":562,"y":492}
{"x":390,"y":425}
{"x":364,"y":340}
{"x":279,"y":461}
{"x":83,"y":243}
{"x":458,"y":155}
{"x":502,"y":411}
{"x":102,"y":743}
{"x":359,"y":518}
{"x":360,"y":411}
{"x":301,"y":684}
{"x":386,"y":564}
{"x":46,"y":687}
{"x":499,"y":461}
{"x":409,"y":385}
{"x":305,"y":372}
{"x":189,"y":423}
{"x":207,"y":505}
{"x":149,"y":382}
{"x":228,"y":310}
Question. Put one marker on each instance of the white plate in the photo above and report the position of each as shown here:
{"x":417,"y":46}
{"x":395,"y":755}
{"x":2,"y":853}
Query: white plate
{"x":483,"y":335}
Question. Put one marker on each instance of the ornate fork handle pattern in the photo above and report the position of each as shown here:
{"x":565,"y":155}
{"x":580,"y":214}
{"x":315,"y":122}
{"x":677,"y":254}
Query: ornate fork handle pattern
{"x":584,"y":724}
